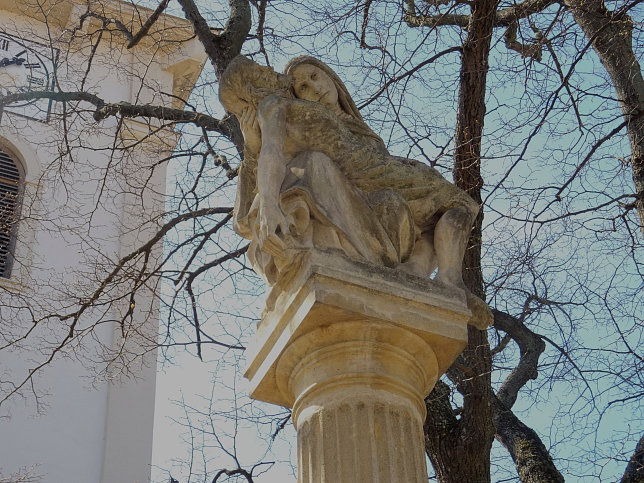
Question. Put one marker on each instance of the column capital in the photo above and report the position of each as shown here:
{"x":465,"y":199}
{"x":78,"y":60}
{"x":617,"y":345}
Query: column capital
{"x":332,"y":300}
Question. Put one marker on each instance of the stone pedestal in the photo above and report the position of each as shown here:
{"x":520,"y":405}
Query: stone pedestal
{"x":354,"y":349}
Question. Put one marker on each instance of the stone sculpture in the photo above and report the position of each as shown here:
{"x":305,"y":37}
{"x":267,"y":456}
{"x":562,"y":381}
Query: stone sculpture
{"x":315,"y":175}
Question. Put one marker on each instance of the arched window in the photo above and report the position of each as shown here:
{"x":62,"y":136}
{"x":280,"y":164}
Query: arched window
{"x":10,"y":186}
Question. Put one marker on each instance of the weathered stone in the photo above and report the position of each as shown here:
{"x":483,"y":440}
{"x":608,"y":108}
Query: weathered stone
{"x":353,"y":349}
{"x":327,"y":181}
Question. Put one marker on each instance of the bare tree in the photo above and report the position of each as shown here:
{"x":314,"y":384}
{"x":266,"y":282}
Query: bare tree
{"x":536,"y":108}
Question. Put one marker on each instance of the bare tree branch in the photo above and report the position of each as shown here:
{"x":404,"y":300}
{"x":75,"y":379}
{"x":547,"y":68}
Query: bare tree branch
{"x":531,"y":458}
{"x":504,"y":17}
{"x":125,"y":109}
{"x":532,"y":50}
{"x":408,"y":73}
{"x":143,"y":31}
{"x":531,"y":347}
{"x":222,"y":47}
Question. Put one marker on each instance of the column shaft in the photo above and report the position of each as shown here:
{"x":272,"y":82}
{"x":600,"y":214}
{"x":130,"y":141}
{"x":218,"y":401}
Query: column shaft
{"x":371,"y":439}
{"x":359,"y":402}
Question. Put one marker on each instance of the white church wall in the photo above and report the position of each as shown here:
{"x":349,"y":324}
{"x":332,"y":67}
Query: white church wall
{"x":90,"y":422}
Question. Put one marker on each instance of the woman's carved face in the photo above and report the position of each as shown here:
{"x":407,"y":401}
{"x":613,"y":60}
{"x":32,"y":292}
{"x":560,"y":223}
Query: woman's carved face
{"x":312,"y":84}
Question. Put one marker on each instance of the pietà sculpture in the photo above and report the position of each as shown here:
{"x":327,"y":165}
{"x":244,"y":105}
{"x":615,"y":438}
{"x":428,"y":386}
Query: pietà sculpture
{"x":314,"y":175}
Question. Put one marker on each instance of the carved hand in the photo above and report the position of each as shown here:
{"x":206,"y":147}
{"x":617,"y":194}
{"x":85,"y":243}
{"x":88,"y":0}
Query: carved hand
{"x":250,"y":129}
{"x":273,"y":227}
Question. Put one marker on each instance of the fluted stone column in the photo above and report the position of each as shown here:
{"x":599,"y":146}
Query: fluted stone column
{"x":354,"y":349}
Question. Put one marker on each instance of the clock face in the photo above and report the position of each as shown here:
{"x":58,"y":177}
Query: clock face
{"x":25,"y":66}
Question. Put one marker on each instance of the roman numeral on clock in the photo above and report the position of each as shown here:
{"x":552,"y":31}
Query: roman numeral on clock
{"x":32,"y":65}
{"x":4,"y":44}
{"x":39,"y":81}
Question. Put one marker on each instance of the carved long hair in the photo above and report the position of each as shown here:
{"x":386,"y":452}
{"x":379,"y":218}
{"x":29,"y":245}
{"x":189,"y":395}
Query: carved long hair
{"x":247,"y":81}
{"x":355,"y":121}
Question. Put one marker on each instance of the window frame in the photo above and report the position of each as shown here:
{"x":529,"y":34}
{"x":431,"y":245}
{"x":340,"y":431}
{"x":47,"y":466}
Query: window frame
{"x":7,"y":259}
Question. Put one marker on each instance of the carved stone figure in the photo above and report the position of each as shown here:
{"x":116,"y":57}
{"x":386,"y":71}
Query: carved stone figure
{"x":315,"y":175}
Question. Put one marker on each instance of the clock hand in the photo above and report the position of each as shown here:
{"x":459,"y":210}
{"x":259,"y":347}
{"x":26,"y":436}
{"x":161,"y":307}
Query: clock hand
{"x":18,"y":59}
{"x":6,"y":62}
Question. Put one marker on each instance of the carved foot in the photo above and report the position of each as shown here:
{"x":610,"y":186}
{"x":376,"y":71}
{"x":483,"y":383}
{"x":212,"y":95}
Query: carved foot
{"x":482,"y":316}
{"x":414,"y":268}
{"x":422,"y":261}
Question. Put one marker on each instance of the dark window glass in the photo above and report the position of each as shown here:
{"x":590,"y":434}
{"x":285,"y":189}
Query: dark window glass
{"x":10,"y":180}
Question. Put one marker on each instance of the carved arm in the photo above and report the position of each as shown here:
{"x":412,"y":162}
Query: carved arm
{"x":271,"y":170}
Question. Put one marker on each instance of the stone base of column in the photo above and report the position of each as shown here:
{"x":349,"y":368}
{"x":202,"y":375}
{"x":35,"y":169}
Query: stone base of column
{"x":354,"y":349}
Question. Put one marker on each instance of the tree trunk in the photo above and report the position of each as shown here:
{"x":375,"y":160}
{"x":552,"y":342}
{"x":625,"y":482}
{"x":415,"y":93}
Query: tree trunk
{"x":460,"y":448}
{"x":635,"y":470}
{"x":611,"y":35}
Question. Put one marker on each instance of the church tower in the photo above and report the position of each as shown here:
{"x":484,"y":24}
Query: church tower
{"x":81,"y":193}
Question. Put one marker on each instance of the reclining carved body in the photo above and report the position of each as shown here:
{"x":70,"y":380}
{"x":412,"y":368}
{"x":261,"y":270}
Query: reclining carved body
{"x":315,"y":175}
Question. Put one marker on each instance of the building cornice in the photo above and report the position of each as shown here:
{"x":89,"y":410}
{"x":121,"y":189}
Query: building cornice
{"x":171,"y":39}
